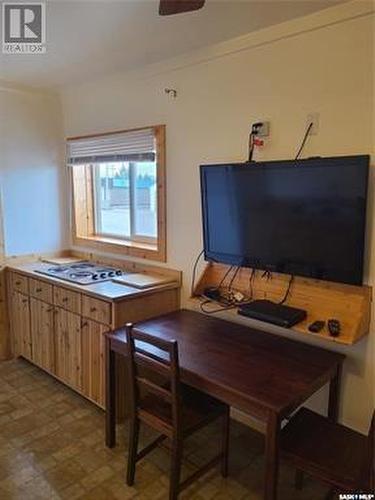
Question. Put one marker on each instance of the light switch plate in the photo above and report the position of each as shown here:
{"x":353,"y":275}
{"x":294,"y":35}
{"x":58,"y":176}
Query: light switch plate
{"x":264,"y":130}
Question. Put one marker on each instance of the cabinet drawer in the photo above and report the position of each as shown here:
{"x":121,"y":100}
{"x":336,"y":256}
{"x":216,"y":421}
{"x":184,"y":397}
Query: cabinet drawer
{"x":20,"y":283}
{"x":96,"y":309}
{"x":71,"y":301}
{"x":40,"y":290}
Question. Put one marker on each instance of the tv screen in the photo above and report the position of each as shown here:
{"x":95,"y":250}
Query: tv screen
{"x":304,"y":217}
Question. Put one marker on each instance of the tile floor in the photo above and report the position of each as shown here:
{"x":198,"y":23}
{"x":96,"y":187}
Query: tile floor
{"x":52,"y":447}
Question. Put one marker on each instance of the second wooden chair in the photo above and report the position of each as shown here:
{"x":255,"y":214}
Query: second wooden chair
{"x":336,"y":455}
{"x":175,"y":410}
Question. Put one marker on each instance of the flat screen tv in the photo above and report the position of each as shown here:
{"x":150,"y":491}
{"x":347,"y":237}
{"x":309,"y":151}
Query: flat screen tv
{"x":304,"y":217}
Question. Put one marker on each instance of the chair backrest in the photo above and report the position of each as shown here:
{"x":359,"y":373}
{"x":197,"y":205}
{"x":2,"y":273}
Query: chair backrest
{"x":153,"y":369}
{"x":368,"y":470}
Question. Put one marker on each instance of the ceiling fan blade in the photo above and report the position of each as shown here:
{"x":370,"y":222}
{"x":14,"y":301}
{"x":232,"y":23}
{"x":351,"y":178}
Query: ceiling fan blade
{"x":169,"y":7}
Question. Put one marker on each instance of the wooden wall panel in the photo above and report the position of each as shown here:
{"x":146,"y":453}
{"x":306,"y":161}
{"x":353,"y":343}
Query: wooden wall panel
{"x":148,"y":306}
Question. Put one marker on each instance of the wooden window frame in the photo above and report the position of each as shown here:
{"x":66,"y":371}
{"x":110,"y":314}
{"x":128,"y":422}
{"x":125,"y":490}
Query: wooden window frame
{"x":83,"y":224}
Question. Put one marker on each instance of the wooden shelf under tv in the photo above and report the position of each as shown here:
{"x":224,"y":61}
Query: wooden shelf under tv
{"x":322,"y":300}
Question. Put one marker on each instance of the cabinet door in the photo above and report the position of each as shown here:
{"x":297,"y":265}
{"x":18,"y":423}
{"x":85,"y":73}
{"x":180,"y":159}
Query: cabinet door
{"x":5,"y":348}
{"x":93,"y":353}
{"x":68,"y":347}
{"x":20,"y":324}
{"x":42,"y":334}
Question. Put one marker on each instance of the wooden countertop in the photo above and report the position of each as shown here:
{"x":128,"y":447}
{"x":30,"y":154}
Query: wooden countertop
{"x":107,"y":290}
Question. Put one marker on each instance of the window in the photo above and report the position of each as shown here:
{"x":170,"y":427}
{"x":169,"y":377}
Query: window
{"x":119,"y":191}
{"x":125,"y":200}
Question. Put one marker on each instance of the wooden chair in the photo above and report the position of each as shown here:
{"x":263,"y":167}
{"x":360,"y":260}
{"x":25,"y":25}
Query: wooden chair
{"x":168,"y":406}
{"x":333,"y":453}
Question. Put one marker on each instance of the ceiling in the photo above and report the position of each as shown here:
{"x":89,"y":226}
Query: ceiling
{"x":87,"y":39}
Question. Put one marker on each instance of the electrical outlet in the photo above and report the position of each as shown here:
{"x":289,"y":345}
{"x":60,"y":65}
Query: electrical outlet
{"x":264,"y":130}
{"x":314,"y":119}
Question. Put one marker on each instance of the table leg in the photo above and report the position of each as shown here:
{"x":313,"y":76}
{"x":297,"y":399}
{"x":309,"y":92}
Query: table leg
{"x":334,"y":395}
{"x":272,"y":458}
{"x":110,"y":395}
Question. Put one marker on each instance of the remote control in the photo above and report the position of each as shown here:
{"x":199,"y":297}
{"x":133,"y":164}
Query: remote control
{"x":316,"y":326}
{"x":334,"y":327}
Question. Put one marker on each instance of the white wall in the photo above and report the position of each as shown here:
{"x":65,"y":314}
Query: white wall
{"x":321,"y":63}
{"x":32,"y":176}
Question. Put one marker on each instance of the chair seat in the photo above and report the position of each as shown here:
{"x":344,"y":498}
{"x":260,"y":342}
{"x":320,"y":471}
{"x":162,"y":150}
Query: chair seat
{"x":320,"y":447}
{"x":198,"y":409}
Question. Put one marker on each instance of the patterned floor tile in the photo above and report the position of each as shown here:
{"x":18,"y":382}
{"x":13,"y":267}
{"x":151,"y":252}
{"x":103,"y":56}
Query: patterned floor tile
{"x":52,"y":447}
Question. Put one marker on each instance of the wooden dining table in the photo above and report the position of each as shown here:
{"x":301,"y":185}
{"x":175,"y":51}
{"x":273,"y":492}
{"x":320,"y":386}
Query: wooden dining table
{"x":261,"y":374}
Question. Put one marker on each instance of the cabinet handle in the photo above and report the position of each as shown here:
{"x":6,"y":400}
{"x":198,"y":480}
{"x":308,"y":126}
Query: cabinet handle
{"x":24,"y":301}
{"x":38,"y":290}
{"x":93,"y":309}
{"x":65,"y":299}
{"x":84,"y":324}
{"x":18,"y":283}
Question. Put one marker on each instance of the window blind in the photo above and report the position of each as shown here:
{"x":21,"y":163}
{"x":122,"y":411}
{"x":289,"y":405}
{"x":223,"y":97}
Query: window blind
{"x":135,"y":145}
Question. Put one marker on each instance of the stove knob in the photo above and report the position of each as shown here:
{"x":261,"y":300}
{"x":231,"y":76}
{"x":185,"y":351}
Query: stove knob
{"x":111,"y":273}
{"x":119,"y":272}
{"x":103,"y":275}
{"x":95,"y":276}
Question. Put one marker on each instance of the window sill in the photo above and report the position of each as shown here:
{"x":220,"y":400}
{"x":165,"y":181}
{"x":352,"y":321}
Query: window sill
{"x":131,"y":248}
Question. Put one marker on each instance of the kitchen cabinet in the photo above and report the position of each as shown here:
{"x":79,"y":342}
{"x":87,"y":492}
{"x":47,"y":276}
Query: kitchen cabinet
{"x":20,"y":323}
{"x":66,"y":299}
{"x":42,"y":334}
{"x":96,"y":309}
{"x":19,"y":283}
{"x":68,"y":353}
{"x":61,"y":328}
{"x":5,"y":341}
{"x":93,"y":360}
{"x":40,"y":290}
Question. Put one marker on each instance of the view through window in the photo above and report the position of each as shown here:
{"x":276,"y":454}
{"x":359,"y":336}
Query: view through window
{"x":126,"y":200}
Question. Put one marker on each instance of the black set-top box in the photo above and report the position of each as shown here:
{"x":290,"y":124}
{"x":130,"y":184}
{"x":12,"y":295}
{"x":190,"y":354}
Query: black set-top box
{"x":270,"y":312}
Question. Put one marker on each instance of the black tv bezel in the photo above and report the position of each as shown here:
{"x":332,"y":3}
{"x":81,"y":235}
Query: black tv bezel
{"x":303,"y":163}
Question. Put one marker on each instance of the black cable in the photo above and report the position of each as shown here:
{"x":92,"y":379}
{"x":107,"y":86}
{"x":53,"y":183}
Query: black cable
{"x":218,"y":287}
{"x":251,"y":146}
{"x":231,"y":304}
{"x":267,"y":275}
{"x":195,"y":271}
{"x":224,"y":278}
{"x":233,"y":278}
{"x":218,"y":309}
{"x":288,"y":289}
{"x":304,"y":140}
{"x":252,"y":277}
